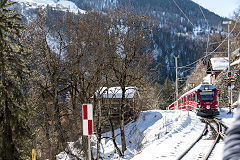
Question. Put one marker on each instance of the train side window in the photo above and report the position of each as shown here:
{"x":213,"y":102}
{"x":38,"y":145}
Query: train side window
{"x":196,"y":98}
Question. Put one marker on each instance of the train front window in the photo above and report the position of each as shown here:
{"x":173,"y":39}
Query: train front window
{"x":207,"y":96}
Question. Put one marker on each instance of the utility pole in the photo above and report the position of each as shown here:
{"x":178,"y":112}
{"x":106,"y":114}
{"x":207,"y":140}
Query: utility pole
{"x":229,"y":69}
{"x":176,"y":64}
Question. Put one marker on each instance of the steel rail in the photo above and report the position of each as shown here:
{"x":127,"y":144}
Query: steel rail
{"x":218,"y":131}
{"x":221,"y":122}
{"x":205,"y":130}
{"x":222,"y":135}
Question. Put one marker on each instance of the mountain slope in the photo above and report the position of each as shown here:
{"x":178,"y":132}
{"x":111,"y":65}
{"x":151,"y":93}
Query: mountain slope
{"x":182,"y":29}
{"x":163,"y":9}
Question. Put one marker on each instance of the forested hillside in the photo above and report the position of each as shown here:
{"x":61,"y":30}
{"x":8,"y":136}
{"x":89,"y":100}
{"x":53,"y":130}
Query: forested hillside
{"x":182,"y":29}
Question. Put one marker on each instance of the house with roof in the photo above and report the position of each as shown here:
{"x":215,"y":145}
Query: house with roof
{"x":113,"y":95}
{"x":110,"y":99}
{"x":215,"y":66}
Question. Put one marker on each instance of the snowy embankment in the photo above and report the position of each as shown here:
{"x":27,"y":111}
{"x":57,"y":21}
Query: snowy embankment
{"x":159,"y":134}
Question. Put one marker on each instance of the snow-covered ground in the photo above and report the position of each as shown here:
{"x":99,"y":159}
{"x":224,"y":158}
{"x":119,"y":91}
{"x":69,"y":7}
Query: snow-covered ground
{"x":160,"y":134}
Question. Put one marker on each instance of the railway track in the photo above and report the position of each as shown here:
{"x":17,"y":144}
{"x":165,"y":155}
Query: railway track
{"x":218,"y":129}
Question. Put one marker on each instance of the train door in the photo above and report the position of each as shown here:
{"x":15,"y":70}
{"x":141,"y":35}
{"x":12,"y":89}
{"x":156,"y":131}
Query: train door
{"x":217,"y":99}
{"x":184,"y":102}
{"x":187,"y":102}
{"x":179,"y":104}
{"x":197,"y":102}
{"x":190,"y":102}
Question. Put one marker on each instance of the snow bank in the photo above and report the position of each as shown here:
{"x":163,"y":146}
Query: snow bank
{"x":158,"y":134}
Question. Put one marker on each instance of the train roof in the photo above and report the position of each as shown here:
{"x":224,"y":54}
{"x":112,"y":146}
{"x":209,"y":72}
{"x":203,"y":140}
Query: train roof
{"x":201,"y":86}
{"x":207,"y":86}
{"x":194,"y":89}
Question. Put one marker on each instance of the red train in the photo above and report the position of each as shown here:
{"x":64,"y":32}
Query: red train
{"x":202,"y":99}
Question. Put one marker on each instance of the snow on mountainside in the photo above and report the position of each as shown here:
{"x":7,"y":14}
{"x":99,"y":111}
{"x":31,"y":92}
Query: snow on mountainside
{"x":62,"y":4}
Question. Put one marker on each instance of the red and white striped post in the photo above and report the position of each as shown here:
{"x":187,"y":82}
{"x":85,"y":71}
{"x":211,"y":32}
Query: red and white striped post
{"x":87,"y":115}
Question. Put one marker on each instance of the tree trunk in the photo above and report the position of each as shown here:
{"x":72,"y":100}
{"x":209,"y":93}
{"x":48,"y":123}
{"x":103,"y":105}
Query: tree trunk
{"x":57,"y":119}
{"x":7,"y":136}
{"x":114,"y":138}
{"x":99,"y":130}
{"x":7,"y":144}
{"x":47,"y":134}
{"x":122,"y":121}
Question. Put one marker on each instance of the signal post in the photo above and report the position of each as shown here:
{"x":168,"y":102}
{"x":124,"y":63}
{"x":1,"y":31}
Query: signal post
{"x":229,"y":69}
{"x":229,"y":80}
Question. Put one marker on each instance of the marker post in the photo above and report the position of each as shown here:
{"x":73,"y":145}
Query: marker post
{"x":87,"y":115}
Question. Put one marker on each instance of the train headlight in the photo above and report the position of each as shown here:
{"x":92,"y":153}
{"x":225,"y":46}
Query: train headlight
{"x":208,"y":106}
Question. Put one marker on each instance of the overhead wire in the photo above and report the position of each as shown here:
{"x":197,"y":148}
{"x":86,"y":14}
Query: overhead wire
{"x":207,"y":54}
{"x":188,"y":69}
{"x":211,"y":51}
{"x":183,"y":13}
{"x":207,"y":27}
{"x":187,"y":17}
{"x":216,"y":42}
{"x":231,"y":32}
{"x":237,"y":35}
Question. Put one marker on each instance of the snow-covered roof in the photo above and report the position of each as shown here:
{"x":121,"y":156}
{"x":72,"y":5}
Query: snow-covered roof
{"x":236,"y":52}
{"x":201,"y":86}
{"x":235,"y":62}
{"x":219,"y":63}
{"x":237,"y":103}
{"x":116,"y":92}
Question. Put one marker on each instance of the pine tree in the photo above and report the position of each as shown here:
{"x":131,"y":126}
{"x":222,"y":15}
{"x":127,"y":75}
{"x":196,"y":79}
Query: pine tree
{"x":167,"y":94}
{"x":14,"y":131}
